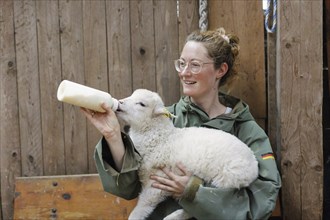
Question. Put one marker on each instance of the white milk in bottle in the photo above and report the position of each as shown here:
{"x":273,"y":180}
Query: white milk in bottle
{"x":84,"y":96}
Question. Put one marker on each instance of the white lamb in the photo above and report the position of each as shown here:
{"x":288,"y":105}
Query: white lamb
{"x":217,"y":157}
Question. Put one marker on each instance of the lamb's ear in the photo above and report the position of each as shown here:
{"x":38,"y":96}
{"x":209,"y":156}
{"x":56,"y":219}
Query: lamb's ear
{"x":161,"y":110}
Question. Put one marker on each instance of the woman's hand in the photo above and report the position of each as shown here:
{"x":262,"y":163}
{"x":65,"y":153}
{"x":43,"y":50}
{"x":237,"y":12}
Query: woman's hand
{"x":107,"y":122}
{"x":173,"y":183}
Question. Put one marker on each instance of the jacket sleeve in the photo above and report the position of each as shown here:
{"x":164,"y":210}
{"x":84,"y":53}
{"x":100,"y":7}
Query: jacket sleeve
{"x":254,"y":202}
{"x":125,"y":183}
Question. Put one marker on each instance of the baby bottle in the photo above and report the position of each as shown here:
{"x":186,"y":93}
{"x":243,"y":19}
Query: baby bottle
{"x":84,"y":96}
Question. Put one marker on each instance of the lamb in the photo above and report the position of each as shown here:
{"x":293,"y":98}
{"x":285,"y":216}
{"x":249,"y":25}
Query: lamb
{"x":217,"y":157}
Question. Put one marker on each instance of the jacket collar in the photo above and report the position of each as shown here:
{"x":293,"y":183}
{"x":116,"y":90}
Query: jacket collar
{"x":224,"y":122}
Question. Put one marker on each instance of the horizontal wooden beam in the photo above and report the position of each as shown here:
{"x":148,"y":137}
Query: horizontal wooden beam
{"x":67,"y":197}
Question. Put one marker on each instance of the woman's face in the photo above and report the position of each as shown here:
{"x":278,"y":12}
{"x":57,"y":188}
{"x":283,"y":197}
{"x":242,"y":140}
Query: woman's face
{"x":205,"y":82}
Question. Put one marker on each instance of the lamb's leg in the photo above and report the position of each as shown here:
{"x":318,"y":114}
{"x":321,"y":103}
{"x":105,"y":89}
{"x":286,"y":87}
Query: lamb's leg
{"x":178,"y":214}
{"x":147,"y":202}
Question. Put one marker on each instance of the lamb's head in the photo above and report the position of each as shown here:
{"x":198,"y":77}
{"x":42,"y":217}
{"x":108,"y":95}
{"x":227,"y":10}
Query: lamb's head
{"x":140,"y":108}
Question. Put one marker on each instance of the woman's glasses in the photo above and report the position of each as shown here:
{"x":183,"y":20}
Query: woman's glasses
{"x":195,"y":66}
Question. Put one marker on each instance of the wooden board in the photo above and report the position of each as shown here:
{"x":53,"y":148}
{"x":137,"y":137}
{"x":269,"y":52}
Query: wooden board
{"x":119,"y":48}
{"x":167,"y":50}
{"x":272,"y":116}
{"x":75,"y":132}
{"x":72,"y":197}
{"x":245,"y":19}
{"x":143,"y":45}
{"x":95,"y":62}
{"x":28,"y":87}
{"x":188,"y":19}
{"x":299,"y":56}
{"x":10,"y":157}
{"x":49,"y":56}
{"x":67,"y":197}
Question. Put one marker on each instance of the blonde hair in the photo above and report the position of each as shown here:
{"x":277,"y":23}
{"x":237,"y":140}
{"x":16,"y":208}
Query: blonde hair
{"x":221,"y":47}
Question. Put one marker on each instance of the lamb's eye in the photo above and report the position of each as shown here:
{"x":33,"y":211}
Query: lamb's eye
{"x":142,"y":104}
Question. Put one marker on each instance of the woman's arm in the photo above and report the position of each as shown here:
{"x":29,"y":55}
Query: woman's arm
{"x":115,"y":157}
{"x":108,"y":125}
{"x":254,"y":202}
{"x":124,"y":183}
{"x":206,"y":202}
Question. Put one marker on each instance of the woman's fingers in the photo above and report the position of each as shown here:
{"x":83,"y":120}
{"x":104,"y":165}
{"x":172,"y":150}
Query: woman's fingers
{"x":183,"y":169}
{"x":173,"y":183}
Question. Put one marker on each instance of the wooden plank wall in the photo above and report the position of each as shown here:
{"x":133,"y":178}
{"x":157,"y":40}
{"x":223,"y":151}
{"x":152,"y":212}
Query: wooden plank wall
{"x":245,"y":19}
{"x":115,"y":46}
{"x":299,"y":89}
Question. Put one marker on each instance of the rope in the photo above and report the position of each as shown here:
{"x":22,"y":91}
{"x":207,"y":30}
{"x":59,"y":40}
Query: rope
{"x":267,"y":19}
{"x":203,"y":22}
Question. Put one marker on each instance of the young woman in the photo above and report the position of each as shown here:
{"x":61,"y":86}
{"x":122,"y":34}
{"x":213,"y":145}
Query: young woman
{"x":207,"y":61}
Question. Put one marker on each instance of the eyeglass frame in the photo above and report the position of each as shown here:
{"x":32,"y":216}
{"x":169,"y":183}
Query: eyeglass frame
{"x":187,"y":65}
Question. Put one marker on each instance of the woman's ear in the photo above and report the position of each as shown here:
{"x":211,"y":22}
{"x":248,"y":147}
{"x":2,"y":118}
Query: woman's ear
{"x":222,"y":70}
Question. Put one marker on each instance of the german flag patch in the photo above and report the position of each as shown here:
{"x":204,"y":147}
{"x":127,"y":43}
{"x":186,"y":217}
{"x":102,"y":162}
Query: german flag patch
{"x":267,"y":156}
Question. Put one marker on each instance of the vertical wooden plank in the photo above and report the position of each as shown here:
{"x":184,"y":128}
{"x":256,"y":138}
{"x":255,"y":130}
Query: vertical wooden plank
{"x":166,"y":48}
{"x":288,"y":31}
{"x":95,"y":61}
{"x":245,"y":19}
{"x":272,"y":115}
{"x":28,"y":88}
{"x":188,"y":19}
{"x":310,"y":122}
{"x":119,"y":48}
{"x":50,"y":77}
{"x":75,"y":134}
{"x":299,"y":56}
{"x":10,"y":152}
{"x":143,"y":44}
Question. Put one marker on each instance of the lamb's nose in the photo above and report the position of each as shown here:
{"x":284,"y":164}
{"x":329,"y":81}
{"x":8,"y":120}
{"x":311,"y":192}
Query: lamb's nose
{"x":120,"y":102}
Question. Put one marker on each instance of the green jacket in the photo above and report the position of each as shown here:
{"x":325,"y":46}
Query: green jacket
{"x":254,"y":202}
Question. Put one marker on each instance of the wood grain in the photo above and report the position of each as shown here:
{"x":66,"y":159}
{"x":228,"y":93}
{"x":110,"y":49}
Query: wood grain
{"x":300,"y":79}
{"x":10,"y":156}
{"x":67,"y":197}
{"x":75,"y":133}
{"x":95,"y":62}
{"x":49,"y":56}
{"x":245,"y":19}
{"x":143,"y":45}
{"x":167,"y":50}
{"x":28,"y":87}
{"x":119,"y":48}
{"x":188,"y":19}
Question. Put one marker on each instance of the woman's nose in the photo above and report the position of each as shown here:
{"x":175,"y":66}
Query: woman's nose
{"x":185,"y":71}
